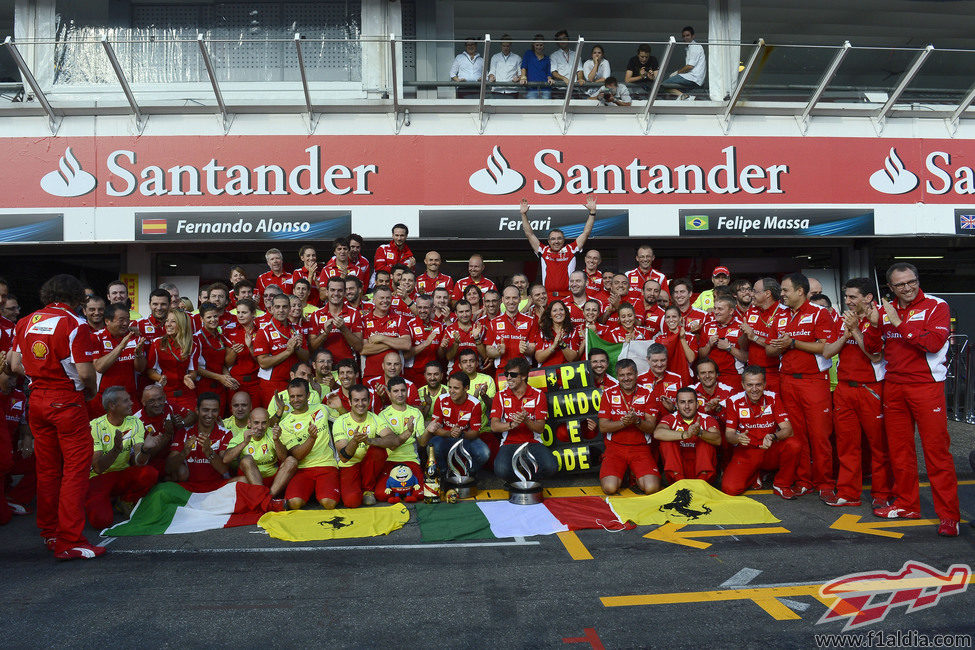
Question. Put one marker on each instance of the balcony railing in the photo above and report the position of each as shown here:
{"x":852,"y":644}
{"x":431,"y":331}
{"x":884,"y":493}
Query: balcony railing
{"x":315,"y":76}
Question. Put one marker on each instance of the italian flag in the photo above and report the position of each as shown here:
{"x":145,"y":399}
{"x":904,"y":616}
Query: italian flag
{"x":495,"y":519}
{"x":170,"y":508}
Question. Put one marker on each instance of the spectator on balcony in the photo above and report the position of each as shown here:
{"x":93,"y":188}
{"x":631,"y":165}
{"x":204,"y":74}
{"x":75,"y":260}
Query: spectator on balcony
{"x":594,"y":71}
{"x":536,"y":67}
{"x":505,"y":66}
{"x":691,"y":75}
{"x":562,"y":59}
{"x":467,"y":66}
{"x":613,"y":93}
{"x":642,"y":68}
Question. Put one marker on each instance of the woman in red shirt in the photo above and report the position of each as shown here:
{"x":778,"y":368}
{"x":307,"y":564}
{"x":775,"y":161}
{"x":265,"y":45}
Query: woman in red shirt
{"x":628,"y":330}
{"x":681,"y":346}
{"x":171,"y":361}
{"x":559,"y":341}
{"x":213,"y":354}
{"x":239,"y":351}
{"x":591,"y":311}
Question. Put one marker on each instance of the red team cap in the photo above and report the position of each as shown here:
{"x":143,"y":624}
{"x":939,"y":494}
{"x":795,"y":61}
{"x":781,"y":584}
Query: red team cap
{"x":721,"y":270}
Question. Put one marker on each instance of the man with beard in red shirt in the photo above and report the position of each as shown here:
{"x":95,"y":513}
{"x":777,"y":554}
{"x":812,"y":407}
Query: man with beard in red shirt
{"x":759,"y":428}
{"x":761,"y":321}
{"x":804,"y":381}
{"x":558,"y":259}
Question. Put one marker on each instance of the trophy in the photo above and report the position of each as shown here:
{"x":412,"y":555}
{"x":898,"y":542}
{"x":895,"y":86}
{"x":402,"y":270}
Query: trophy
{"x":525,"y":491}
{"x":460,"y":483}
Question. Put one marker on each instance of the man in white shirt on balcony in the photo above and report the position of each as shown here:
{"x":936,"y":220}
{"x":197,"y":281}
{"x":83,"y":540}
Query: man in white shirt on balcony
{"x":691,"y":75}
{"x":505,"y":66}
{"x":467,"y":66}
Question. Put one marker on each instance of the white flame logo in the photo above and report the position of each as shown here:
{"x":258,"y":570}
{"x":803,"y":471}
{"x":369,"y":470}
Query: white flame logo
{"x":894,"y":177}
{"x":498,"y":177}
{"x":69,"y":179}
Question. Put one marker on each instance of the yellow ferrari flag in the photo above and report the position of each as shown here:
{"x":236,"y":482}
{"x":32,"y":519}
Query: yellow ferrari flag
{"x":310,"y":525}
{"x":690,"y":501}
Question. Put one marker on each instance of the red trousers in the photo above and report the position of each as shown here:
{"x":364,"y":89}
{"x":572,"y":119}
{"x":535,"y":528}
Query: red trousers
{"x":63,"y":450}
{"x":380,"y":487}
{"x":699,"y":461}
{"x":371,"y":467}
{"x":857,"y":415}
{"x":25,"y":490}
{"x":809,"y":404}
{"x":129,"y":484}
{"x":748,"y":461}
{"x":924,"y":405}
{"x":772,"y":382}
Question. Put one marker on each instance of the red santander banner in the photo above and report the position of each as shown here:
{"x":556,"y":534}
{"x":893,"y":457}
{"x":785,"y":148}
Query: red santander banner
{"x":240,"y":171}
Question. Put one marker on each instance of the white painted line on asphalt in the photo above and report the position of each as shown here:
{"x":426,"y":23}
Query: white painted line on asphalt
{"x":289,"y":549}
{"x":794,"y":604}
{"x":741,"y":578}
{"x":105,"y":542}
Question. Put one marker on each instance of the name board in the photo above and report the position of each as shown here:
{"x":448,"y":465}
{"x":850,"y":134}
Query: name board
{"x":506,"y":224}
{"x":31,"y":228}
{"x":571,"y":430}
{"x":774,"y":222}
{"x":242,"y":226}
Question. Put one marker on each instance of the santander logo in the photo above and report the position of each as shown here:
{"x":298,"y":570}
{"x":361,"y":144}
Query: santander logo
{"x":894,"y":177}
{"x":69,"y":179}
{"x":498,"y":177}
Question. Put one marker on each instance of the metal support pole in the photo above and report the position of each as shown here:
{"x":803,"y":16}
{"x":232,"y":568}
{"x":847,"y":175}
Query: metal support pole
{"x":140,"y":119}
{"x":664,"y":62}
{"x":481,"y":122}
{"x":970,"y":384}
{"x":208,"y":62}
{"x":821,"y":88}
{"x":740,"y":86}
{"x":312,"y":118}
{"x":54,"y":116}
{"x":398,"y":119}
{"x":569,"y":86}
{"x":881,"y":117}
{"x":956,"y":115}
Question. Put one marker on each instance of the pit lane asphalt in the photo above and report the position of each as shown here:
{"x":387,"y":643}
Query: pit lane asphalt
{"x":395,"y":592}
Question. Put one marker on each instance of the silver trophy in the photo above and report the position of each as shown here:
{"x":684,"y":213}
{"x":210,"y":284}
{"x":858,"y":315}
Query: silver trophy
{"x":525,"y":491}
{"x":459,"y":464}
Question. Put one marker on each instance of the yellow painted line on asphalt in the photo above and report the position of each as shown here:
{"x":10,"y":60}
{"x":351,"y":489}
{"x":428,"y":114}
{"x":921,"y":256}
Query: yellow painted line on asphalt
{"x":764,"y":597}
{"x":577,"y":550}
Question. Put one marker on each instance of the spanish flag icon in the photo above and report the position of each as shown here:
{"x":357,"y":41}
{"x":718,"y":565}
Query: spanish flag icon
{"x":154,"y":227}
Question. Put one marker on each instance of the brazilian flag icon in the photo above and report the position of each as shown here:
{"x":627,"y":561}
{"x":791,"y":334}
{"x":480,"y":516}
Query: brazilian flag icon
{"x":696,"y":222}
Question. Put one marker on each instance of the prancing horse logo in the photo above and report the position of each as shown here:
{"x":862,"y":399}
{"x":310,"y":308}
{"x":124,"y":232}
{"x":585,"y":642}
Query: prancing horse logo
{"x":335,"y":522}
{"x":682,"y":505}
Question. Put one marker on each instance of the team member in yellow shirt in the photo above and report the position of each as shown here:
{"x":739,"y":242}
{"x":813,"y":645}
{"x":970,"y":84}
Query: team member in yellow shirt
{"x":304,"y":433}
{"x":260,"y":454}
{"x":354,"y":433}
{"x":431,"y":391}
{"x":281,"y":403}
{"x":118,"y":466}
{"x":240,"y":410}
{"x":482,"y":386}
{"x":405,"y":429}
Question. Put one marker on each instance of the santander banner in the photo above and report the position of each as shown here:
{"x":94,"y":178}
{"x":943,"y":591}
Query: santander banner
{"x":241,"y":171}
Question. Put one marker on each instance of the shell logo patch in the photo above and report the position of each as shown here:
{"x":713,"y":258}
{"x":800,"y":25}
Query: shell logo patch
{"x":107,"y":438}
{"x":39,"y":350}
{"x":744,"y":413}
